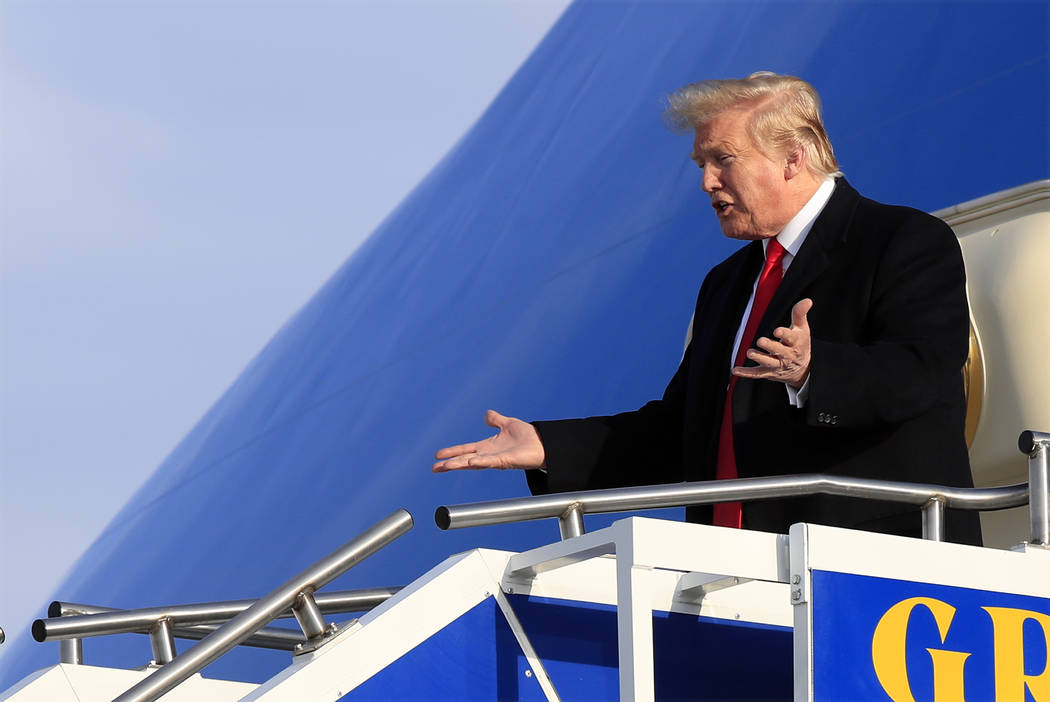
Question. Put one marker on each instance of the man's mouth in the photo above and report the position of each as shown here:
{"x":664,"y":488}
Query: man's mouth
{"x":721,"y":206}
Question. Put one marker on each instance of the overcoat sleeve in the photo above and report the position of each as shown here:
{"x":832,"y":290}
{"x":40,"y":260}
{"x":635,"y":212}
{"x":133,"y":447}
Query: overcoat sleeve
{"x":641,"y":447}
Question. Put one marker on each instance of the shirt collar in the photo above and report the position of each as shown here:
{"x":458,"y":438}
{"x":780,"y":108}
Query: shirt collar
{"x":795,"y":231}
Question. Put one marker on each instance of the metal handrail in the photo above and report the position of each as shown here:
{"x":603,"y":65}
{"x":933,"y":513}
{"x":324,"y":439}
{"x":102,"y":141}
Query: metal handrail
{"x":68,"y":620}
{"x":297,"y":593}
{"x":569,"y":507}
{"x":1036,"y":445}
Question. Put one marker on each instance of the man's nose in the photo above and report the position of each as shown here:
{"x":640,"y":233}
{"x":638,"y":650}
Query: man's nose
{"x":710,"y":182}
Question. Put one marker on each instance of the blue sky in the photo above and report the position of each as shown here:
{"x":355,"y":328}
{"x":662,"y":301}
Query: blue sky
{"x":176,"y":179}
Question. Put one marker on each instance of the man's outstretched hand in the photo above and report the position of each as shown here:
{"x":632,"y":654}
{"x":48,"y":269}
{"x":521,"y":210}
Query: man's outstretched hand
{"x":786,"y":359}
{"x":517,"y":445}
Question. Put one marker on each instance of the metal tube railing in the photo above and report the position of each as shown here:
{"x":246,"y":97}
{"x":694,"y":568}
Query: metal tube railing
{"x":274,"y":638}
{"x":68,"y":620}
{"x":71,"y":651}
{"x":714,"y":491}
{"x":1036,"y":445}
{"x":933,"y":519}
{"x":570,"y":522}
{"x":268,"y":608}
{"x":309,"y":616}
{"x":162,"y":640}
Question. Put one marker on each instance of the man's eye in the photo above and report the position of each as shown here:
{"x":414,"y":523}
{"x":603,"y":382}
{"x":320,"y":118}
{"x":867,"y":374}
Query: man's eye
{"x":725,"y":158}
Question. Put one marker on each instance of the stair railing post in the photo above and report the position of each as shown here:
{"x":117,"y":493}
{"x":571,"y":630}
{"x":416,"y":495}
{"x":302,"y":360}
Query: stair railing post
{"x":933,"y":519}
{"x":162,"y":641}
{"x":1036,"y":445}
{"x":308,"y":614}
{"x":71,"y":651}
{"x":570,"y":523}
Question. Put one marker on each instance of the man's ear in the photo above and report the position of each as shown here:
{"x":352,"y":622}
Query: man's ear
{"x":795,"y":163}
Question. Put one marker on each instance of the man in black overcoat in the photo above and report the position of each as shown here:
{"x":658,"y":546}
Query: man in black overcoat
{"x":853,"y":369}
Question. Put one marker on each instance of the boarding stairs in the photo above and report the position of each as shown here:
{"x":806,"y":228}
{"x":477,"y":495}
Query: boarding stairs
{"x":644,"y":609}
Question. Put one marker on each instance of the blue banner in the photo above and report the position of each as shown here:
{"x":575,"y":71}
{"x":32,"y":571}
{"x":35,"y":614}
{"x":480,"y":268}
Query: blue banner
{"x":883,"y":639}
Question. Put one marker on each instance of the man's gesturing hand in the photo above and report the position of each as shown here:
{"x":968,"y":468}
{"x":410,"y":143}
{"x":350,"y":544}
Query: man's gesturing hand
{"x":517,"y":445}
{"x":786,"y":359}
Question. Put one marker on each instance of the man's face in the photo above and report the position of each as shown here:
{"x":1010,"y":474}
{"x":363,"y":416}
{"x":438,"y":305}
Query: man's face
{"x":747,"y":188}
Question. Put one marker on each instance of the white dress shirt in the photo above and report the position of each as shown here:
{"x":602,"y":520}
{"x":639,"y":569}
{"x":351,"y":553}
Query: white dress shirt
{"x":791,"y":238}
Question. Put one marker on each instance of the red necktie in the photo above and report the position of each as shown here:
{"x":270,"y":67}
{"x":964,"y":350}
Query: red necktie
{"x":729,"y":513}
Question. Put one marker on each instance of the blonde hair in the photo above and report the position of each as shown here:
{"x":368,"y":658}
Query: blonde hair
{"x":784,"y":114}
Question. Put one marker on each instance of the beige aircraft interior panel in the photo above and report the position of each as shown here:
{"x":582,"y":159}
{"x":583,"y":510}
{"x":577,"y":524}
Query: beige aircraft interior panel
{"x":1005,"y":239}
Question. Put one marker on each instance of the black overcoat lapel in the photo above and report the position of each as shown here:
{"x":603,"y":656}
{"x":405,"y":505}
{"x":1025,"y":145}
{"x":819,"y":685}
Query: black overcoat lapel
{"x":828,"y":232}
{"x":716,"y":319}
